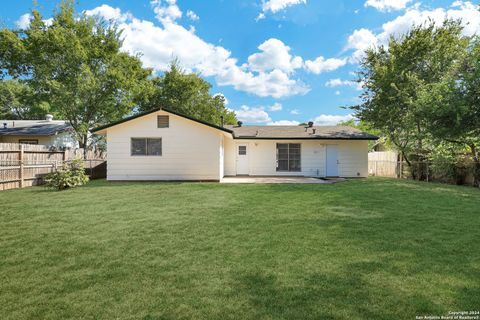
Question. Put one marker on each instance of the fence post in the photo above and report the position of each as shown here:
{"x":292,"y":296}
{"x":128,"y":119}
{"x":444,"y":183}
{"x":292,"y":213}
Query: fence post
{"x":376,"y":161}
{"x":21,"y":165}
{"x":401,"y":169}
{"x":426,"y":163}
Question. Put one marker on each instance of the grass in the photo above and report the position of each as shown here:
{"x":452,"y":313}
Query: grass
{"x":364,"y":249}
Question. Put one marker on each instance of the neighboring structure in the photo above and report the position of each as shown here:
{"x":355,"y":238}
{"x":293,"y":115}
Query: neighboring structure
{"x":164,"y":145}
{"x":47,"y":132}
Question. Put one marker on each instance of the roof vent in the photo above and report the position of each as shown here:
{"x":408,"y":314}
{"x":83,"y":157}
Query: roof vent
{"x":49,"y":117}
{"x":239,"y":123}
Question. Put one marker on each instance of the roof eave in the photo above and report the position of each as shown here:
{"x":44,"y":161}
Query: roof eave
{"x":306,"y":138}
{"x":99,"y":130}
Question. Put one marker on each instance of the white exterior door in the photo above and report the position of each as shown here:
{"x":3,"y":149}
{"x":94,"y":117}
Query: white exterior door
{"x":332,"y":160}
{"x":242,"y":159}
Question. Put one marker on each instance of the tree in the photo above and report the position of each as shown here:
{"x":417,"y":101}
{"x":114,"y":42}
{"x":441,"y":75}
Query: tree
{"x":365,"y":127}
{"x":188,"y":94}
{"x":17,"y":102}
{"x":394,"y":78}
{"x":76,"y":66}
{"x":453,"y":106}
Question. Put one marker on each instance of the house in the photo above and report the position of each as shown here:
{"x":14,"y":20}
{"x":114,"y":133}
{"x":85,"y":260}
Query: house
{"x":164,"y":145}
{"x":49,"y":132}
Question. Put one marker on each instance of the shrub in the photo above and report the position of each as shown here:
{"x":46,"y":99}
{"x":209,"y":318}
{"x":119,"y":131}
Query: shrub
{"x":449,"y":166}
{"x":71,"y":175}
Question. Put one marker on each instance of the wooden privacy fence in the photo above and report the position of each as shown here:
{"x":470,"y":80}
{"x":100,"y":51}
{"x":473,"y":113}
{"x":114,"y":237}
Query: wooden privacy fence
{"x":23,"y":165}
{"x":384,"y":164}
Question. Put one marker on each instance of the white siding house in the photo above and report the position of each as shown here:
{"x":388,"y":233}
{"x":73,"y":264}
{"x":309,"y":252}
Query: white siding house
{"x":165,"y":145}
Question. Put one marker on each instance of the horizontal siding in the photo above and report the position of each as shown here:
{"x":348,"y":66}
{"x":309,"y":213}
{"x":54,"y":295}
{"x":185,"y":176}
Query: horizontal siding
{"x":64,"y":139}
{"x":353,"y":157}
{"x":190,"y":151}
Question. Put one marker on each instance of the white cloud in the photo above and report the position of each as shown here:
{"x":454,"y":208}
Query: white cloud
{"x":275,"y":6}
{"x":48,"y":22}
{"x":166,"y":11}
{"x":337,"y":93}
{"x":278,"y":5}
{"x":274,"y":55}
{"x":275,"y":84}
{"x":387,"y":5}
{"x":332,"y":83}
{"x":283,"y":123}
{"x":108,"y":13}
{"x":321,"y":64}
{"x":275,"y":107}
{"x":252,"y":114}
{"x":158,"y":45}
{"x":465,"y":10}
{"x":331,"y":120}
{"x":24,"y":21}
{"x":295,"y":112}
{"x":360,"y":40}
{"x":192,"y":15}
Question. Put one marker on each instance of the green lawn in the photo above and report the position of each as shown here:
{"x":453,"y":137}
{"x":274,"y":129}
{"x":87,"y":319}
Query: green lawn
{"x":363,"y":249}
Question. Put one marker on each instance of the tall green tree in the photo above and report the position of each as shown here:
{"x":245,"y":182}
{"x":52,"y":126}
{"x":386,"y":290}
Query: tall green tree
{"x":189,"y":94}
{"x":394,"y":77}
{"x":453,"y":106}
{"x":18,"y":102}
{"x":76,"y":66}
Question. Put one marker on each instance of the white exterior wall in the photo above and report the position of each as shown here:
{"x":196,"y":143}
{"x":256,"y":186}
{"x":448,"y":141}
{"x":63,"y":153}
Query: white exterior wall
{"x":353,"y":157}
{"x":64,"y":139}
{"x":190,"y":151}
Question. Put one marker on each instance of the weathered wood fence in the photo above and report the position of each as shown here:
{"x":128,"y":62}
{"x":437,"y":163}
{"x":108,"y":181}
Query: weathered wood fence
{"x":383,"y":164}
{"x":387,"y":164}
{"x":23,"y":165}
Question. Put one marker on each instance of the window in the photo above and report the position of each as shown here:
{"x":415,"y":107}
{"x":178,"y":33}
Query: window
{"x":28,"y":141}
{"x":146,"y":146}
{"x":288,"y":157}
{"x":162,"y":122}
{"x":242,"y":150}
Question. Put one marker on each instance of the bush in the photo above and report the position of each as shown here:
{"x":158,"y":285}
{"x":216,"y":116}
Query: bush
{"x":449,"y":166}
{"x":71,"y":175}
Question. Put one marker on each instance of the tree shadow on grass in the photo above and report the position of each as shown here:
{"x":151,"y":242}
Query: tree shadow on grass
{"x":344,"y":295}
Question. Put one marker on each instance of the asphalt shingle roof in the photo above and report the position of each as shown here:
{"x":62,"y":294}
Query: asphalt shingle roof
{"x":300,"y":132}
{"x":33,"y":127}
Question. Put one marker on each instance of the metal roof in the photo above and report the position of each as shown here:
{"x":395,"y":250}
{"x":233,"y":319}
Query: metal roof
{"x":33,"y":127}
{"x":300,"y":132}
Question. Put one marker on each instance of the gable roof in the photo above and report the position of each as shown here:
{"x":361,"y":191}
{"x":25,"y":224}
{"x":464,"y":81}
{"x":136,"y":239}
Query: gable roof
{"x":266,"y":132}
{"x":300,"y":132}
{"x":156,"y":110}
{"x":33,"y":127}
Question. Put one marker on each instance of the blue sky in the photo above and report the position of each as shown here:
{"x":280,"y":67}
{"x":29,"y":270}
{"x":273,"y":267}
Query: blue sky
{"x":275,"y":61}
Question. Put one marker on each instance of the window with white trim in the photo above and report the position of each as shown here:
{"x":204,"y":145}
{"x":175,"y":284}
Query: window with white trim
{"x":146,"y":146}
{"x":289,"y":157}
{"x":242,"y":150}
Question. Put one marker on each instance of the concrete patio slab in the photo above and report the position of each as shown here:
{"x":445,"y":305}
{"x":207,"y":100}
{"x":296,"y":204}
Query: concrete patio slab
{"x":252,"y":179}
